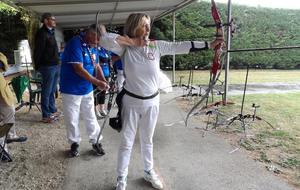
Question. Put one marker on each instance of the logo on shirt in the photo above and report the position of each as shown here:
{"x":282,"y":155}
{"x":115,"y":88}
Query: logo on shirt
{"x":150,"y":56}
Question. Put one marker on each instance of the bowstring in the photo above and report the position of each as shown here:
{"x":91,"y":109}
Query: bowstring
{"x":111,"y":84}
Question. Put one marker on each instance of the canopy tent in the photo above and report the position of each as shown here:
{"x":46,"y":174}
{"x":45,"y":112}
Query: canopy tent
{"x":72,"y":14}
{"x":81,"y":13}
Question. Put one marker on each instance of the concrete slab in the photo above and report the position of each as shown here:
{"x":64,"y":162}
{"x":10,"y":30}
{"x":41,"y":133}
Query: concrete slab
{"x":184,"y":159}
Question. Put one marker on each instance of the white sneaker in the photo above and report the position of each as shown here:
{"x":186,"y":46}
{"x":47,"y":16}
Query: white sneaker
{"x":98,"y":114}
{"x":153,"y":178}
{"x":103,"y":113}
{"x":121,"y":183}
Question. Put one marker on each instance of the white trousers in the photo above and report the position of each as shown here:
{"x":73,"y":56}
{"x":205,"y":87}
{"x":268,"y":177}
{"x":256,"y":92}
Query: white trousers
{"x":7,"y":115}
{"x":73,"y":105}
{"x":145,"y":119}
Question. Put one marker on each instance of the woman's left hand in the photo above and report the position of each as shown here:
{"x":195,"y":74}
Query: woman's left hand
{"x":216,"y":42}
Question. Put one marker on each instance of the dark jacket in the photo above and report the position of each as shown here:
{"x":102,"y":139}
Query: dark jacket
{"x":45,"y":49}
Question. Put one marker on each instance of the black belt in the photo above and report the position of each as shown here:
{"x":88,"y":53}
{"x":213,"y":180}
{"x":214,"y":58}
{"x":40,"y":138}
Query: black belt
{"x":140,"y":97}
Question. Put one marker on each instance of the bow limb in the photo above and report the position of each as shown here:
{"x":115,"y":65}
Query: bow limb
{"x":111,"y":86}
{"x":97,"y":22}
{"x":219,"y":36}
{"x":97,"y":45}
{"x":217,"y":64}
{"x":206,"y":94}
{"x":110,"y":102}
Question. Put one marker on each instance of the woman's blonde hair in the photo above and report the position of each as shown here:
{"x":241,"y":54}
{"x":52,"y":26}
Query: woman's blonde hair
{"x":134,"y":25}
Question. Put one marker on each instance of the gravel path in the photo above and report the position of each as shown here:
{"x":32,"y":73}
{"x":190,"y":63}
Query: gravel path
{"x":40,"y":162}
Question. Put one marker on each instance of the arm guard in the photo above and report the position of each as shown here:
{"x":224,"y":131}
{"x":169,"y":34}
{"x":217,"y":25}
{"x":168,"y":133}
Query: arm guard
{"x":198,"y":46}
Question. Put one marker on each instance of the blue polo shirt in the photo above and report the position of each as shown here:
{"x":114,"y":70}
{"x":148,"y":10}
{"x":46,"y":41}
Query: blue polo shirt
{"x":76,"y":52}
{"x":118,"y":64}
{"x":104,"y":61}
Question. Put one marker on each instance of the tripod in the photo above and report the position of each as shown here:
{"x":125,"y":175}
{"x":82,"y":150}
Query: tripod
{"x":241,"y":117}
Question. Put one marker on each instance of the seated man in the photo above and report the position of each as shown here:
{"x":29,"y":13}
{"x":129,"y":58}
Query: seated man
{"x":7,"y":110}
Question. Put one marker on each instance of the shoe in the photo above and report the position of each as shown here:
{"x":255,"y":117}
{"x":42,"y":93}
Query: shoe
{"x":103,"y":113}
{"x":98,"y":149}
{"x":153,"y":178}
{"x":16,"y":139}
{"x":56,"y":114}
{"x":121,"y":183}
{"x":74,"y":150}
{"x":98,"y":114}
{"x":50,"y":119}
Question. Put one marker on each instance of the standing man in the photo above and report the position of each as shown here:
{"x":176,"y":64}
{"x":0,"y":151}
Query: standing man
{"x":80,"y":70}
{"x":46,"y":59}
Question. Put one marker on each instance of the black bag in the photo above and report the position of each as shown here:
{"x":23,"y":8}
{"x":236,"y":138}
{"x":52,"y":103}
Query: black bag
{"x":116,"y":122}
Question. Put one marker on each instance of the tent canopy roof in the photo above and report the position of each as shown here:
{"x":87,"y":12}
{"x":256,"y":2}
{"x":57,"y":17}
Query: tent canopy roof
{"x":81,"y":13}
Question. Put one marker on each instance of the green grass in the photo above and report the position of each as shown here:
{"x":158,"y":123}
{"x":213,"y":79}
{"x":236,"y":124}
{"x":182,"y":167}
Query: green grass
{"x":291,"y":162}
{"x":238,"y":76}
{"x":279,"y":146}
{"x":282,"y":110}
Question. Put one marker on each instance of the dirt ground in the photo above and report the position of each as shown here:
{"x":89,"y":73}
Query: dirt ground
{"x":40,"y":162}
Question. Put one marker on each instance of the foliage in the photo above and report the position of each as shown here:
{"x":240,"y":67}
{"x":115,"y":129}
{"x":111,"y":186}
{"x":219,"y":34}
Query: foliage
{"x":6,"y":8}
{"x":256,"y":27}
{"x":17,"y":24}
{"x":32,"y":23}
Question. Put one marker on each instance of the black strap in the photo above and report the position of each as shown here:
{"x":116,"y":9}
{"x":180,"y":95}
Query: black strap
{"x":193,"y":49}
{"x":140,"y":97}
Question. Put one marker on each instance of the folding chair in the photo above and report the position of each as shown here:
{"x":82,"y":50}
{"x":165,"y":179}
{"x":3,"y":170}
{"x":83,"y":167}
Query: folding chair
{"x":34,"y":87}
{"x":4,"y":129}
